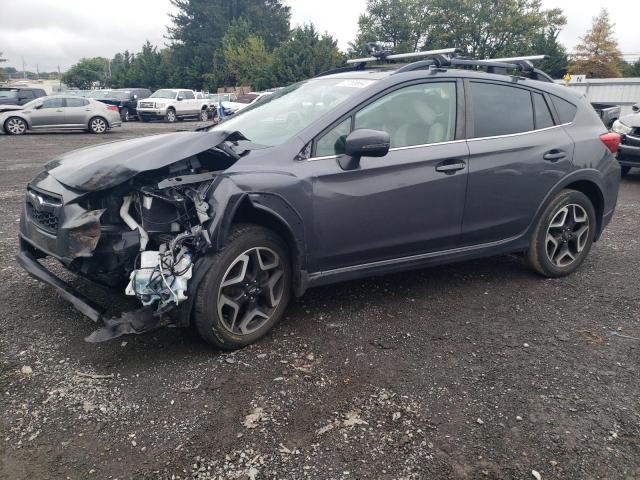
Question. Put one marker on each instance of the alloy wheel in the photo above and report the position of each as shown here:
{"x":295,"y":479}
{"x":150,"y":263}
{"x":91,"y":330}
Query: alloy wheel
{"x":171,"y":116}
{"x":567,"y":235}
{"x":204,"y":116}
{"x":16,"y":126}
{"x":251,"y":290}
{"x":98,"y":125}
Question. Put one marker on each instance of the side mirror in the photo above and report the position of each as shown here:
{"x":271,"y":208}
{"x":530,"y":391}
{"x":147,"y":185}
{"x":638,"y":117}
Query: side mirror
{"x":38,"y":106}
{"x":364,"y":143}
{"x":135,"y":97}
{"x":180,"y":98}
{"x":636,"y":107}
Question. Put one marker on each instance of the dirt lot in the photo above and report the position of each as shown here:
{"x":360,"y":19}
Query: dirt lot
{"x":474,"y":370}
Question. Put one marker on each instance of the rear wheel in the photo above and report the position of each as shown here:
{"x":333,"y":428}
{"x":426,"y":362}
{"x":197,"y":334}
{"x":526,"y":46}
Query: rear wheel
{"x":98,"y":125}
{"x":15,"y":126}
{"x":246,"y":290}
{"x":171,"y":115}
{"x":124,"y":115}
{"x":564,"y":235}
{"x":624,"y":170}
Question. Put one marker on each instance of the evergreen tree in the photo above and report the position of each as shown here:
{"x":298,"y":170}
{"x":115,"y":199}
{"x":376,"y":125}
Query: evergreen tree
{"x":598,"y":55}
{"x":200,"y":26}
{"x":305,"y":55}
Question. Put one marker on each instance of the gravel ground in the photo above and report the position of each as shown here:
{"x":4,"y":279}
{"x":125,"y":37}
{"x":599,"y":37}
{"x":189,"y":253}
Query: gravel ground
{"x":473,"y":370}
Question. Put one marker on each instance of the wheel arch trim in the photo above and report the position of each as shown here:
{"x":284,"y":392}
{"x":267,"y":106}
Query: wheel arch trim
{"x":587,"y":181}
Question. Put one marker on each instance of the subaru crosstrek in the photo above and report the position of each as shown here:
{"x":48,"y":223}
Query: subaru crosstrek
{"x":362,"y":172}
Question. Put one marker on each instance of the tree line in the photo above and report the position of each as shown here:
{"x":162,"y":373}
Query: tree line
{"x":215,"y":43}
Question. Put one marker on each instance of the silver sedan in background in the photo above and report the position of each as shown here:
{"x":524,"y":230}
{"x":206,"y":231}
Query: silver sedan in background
{"x":60,"y":112}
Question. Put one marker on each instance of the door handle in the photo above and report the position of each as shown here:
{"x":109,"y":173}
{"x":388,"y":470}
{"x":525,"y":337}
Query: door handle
{"x":450,"y":166}
{"x":554,"y":155}
{"x":59,"y":111}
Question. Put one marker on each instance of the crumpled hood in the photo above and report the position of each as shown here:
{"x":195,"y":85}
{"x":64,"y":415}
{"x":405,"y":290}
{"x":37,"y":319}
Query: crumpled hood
{"x":631,"y":120}
{"x":105,"y":166}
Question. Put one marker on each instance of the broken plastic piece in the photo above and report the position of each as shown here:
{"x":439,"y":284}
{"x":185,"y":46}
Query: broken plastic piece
{"x":137,"y":321}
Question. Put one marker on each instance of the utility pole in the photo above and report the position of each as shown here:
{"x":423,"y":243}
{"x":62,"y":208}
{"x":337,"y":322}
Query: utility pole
{"x":37,"y":71}
{"x":59,"y":79}
{"x":24,"y":73}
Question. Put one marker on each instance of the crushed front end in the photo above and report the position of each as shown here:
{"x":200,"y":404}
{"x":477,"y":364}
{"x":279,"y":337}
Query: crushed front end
{"x":142,"y":232}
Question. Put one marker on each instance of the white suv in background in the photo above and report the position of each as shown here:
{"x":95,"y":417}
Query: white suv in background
{"x":173,"y":104}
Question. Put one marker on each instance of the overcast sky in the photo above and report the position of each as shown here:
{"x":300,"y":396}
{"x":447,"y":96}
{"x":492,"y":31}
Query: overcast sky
{"x":48,"y":33}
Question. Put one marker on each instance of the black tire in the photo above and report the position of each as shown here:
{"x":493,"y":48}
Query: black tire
{"x":207,"y":319}
{"x":15,"y":126}
{"x":624,"y":170}
{"x":204,"y":115}
{"x":124,"y":115}
{"x":541,"y":248}
{"x":98,"y":125}
{"x":143,"y":118}
{"x":171,"y":116}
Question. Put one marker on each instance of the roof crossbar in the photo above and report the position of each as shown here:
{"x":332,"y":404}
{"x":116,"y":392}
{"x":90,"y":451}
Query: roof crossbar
{"x":382,"y":55}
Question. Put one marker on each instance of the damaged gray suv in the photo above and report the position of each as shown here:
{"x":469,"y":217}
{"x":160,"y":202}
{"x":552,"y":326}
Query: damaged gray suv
{"x":358,"y":172}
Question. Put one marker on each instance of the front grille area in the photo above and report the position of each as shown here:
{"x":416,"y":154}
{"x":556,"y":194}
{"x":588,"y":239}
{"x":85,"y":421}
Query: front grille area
{"x":146,"y":104}
{"x":43,"y":210}
{"x":48,"y":221}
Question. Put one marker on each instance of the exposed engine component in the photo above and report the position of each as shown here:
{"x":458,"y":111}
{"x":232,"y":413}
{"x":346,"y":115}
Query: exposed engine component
{"x":162,"y":277}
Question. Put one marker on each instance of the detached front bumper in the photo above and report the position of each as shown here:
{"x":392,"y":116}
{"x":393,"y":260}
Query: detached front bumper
{"x":28,"y":261}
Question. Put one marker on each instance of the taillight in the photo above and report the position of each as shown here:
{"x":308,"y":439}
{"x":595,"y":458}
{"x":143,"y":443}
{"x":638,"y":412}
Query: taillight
{"x":112,"y":107}
{"x":611,"y":141}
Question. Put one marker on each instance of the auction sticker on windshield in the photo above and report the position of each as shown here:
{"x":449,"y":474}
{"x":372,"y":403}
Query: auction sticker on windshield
{"x":355,"y":83}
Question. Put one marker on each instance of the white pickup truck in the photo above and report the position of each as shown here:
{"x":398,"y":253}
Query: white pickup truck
{"x":173,"y":104}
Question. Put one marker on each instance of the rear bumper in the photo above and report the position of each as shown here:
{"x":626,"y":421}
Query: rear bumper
{"x":28,"y":261}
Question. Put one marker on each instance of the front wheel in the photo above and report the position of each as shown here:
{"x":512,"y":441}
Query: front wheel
{"x":98,"y":125}
{"x":204,"y":115}
{"x":15,"y":126}
{"x":564,"y":235}
{"x":171,"y":115}
{"x":125,"y":115}
{"x":246,"y":290}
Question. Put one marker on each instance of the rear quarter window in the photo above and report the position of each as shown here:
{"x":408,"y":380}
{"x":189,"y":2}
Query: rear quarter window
{"x":500,"y":110}
{"x":566,"y":110}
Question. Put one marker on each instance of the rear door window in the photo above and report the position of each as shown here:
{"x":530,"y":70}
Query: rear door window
{"x":77,"y":102}
{"x":566,"y":111}
{"x":500,"y":110}
{"x":544,"y":119}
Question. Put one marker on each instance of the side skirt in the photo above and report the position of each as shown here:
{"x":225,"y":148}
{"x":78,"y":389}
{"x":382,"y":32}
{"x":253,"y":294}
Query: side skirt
{"x":383,"y":267}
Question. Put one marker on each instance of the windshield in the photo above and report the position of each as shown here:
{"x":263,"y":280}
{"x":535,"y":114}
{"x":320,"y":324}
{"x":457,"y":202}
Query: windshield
{"x":278,"y":117}
{"x":163,"y":94}
{"x":8,"y":93}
